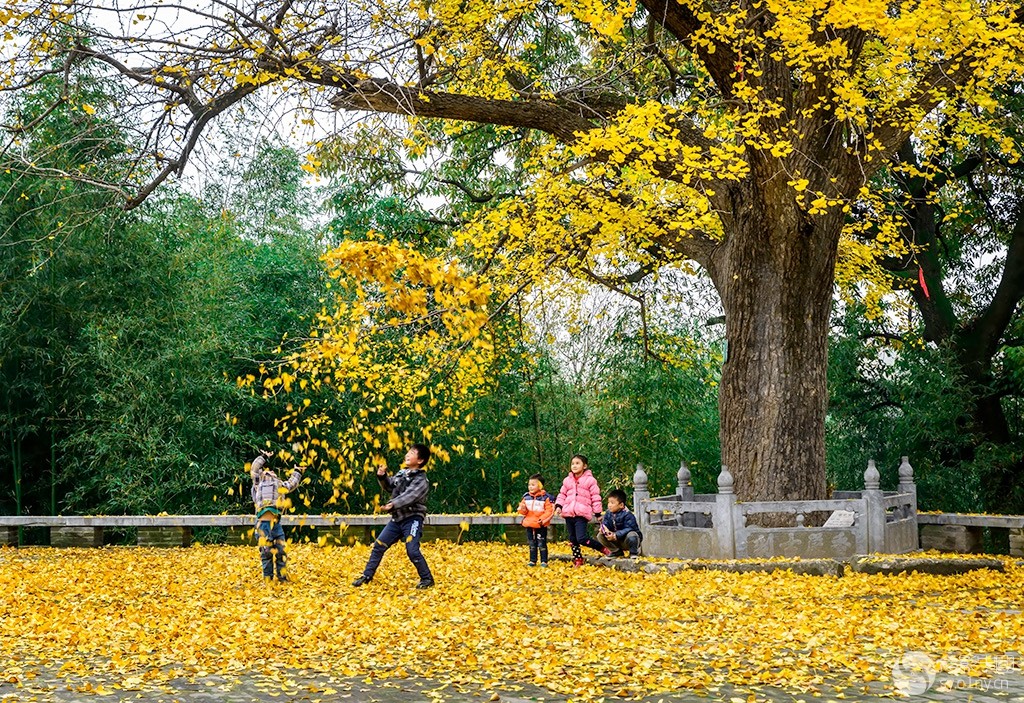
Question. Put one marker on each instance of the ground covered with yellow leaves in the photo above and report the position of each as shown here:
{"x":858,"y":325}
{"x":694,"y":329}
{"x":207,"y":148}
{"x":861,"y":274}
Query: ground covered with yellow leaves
{"x":582,"y":633}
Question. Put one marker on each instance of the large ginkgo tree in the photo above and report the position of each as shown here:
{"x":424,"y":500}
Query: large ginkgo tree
{"x":741,"y":135}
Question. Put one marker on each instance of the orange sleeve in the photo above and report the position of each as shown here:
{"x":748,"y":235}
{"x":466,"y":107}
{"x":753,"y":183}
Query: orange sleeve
{"x":549,"y":512}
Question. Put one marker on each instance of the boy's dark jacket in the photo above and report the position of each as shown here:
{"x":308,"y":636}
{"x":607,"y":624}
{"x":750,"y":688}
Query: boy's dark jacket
{"x":621,"y":523}
{"x":408,"y":489}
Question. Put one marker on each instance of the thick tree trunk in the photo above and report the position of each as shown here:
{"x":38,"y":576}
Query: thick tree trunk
{"x":775,"y":277}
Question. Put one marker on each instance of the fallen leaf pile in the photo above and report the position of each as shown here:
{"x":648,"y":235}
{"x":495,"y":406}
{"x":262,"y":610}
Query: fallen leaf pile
{"x":150,"y":614}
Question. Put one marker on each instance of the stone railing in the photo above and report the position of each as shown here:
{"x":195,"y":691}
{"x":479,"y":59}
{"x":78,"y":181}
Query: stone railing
{"x":176,"y":530}
{"x":717,"y":526}
{"x":964,"y":532}
{"x":685,"y":524}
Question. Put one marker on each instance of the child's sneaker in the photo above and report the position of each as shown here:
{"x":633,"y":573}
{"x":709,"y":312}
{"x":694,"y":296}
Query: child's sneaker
{"x":532,"y":563}
{"x":577,"y":562}
{"x":544,"y":564}
{"x":607,"y":552}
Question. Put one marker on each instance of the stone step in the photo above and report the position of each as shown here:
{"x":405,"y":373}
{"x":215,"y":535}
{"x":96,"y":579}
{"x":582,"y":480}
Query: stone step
{"x":943,"y":566}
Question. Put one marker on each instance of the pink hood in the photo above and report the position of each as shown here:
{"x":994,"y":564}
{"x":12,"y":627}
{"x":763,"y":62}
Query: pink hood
{"x":580,"y":497}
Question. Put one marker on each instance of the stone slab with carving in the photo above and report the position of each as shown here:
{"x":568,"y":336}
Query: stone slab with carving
{"x":841,"y":518}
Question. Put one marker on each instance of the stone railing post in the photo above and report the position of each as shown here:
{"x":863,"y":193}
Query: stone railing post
{"x":723,"y":517}
{"x":640,"y":497}
{"x":8,"y":536}
{"x":907,"y":485}
{"x":873,"y":508}
{"x":685,"y":492}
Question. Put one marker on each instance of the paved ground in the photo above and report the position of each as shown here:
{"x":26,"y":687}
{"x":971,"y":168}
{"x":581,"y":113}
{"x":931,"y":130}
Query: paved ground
{"x":52,"y":686}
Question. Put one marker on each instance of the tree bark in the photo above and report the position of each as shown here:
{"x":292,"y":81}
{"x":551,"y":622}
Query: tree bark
{"x":775,"y":277}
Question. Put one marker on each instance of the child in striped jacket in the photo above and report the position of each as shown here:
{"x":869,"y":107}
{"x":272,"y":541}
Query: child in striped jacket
{"x":269,"y":496}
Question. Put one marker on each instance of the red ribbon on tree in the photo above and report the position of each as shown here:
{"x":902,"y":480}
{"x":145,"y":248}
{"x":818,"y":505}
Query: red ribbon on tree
{"x":920,"y":279}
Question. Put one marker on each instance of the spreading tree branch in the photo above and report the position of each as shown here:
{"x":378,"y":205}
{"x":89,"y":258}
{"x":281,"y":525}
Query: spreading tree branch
{"x":988,"y":328}
{"x":680,"y":21}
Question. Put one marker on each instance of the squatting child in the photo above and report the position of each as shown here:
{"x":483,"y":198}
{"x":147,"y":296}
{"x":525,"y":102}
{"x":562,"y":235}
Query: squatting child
{"x":619,"y":530}
{"x":537,"y":508}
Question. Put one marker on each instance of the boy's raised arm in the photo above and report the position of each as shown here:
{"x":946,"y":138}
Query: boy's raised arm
{"x":383,"y":479}
{"x":293,"y":481}
{"x":256,"y":468}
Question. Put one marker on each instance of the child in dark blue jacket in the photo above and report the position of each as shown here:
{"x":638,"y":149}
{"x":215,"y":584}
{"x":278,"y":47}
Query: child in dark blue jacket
{"x":619,"y":530}
{"x":408,"y":508}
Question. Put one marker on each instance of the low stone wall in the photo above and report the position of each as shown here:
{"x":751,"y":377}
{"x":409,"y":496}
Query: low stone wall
{"x":8,"y":536}
{"x":76,"y":536}
{"x":517,"y":534}
{"x":433,"y":533}
{"x":164,"y":536}
{"x":240,"y":536}
{"x":667,"y":526}
{"x":962,"y":539}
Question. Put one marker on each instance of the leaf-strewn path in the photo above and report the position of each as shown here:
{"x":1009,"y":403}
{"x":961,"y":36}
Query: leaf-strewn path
{"x":135,"y":623}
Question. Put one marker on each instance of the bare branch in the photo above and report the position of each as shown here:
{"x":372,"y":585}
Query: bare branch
{"x":691,"y":244}
{"x":475,"y":197}
{"x":639,"y":299}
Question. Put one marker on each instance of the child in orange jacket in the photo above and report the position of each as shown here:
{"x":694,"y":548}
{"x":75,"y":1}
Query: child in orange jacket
{"x":537,"y":508}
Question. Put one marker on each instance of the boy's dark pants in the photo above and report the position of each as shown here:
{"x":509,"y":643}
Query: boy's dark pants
{"x":537,"y":538}
{"x":409,"y":529}
{"x":630,"y":543}
{"x":271,"y":540}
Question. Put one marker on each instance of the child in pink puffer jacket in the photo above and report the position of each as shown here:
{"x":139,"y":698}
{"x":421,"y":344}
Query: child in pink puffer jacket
{"x":579,"y":502}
